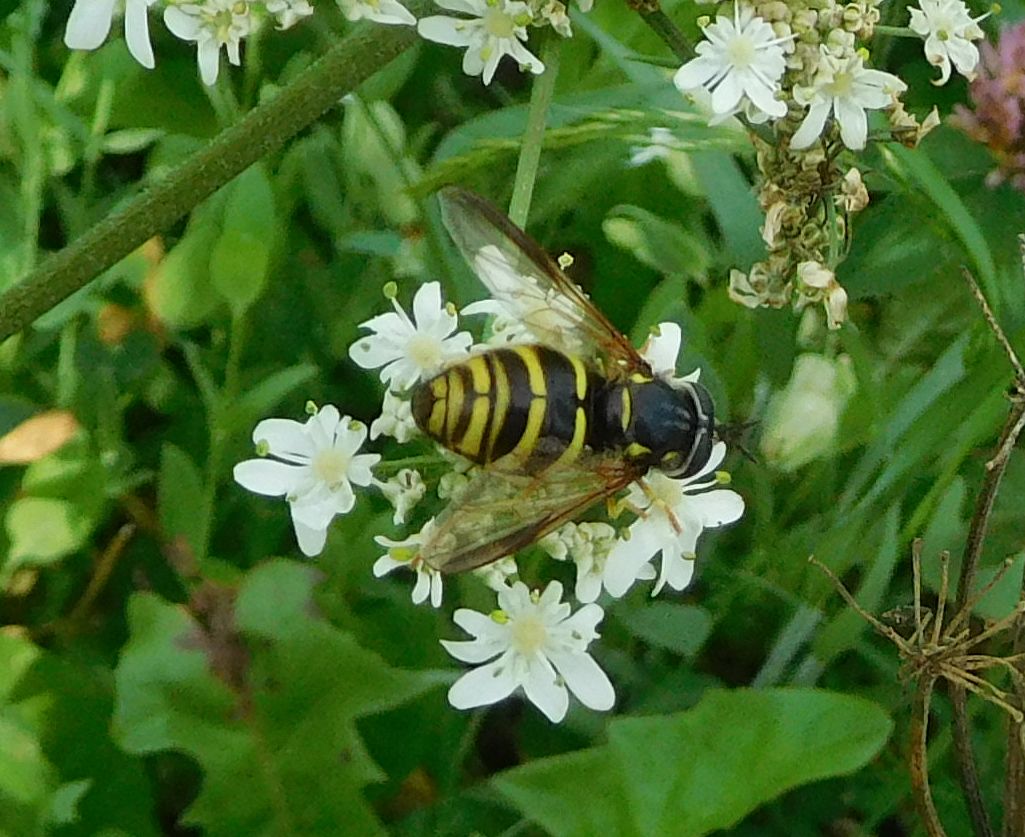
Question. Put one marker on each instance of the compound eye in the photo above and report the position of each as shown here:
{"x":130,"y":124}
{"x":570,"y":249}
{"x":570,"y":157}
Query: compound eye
{"x":672,"y":461}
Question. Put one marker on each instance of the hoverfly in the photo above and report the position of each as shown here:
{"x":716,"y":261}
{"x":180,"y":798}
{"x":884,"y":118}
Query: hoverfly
{"x":557,"y":425}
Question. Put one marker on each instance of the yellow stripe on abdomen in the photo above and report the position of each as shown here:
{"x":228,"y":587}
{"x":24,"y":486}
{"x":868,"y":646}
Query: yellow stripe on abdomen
{"x":532,"y":432}
{"x":535,"y":372}
{"x":470,"y":444}
{"x":576,"y":445}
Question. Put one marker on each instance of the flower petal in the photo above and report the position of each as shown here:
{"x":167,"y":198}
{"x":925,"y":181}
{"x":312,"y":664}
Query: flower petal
{"x":267,"y":477}
{"x":483,"y":686}
{"x":311,"y":541}
{"x":545,"y":691}
{"x":89,"y":24}
{"x":585,"y":679}
{"x":137,"y":32}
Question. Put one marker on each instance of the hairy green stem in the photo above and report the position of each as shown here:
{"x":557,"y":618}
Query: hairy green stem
{"x":534,"y":135}
{"x":220,"y":420}
{"x":895,"y":31}
{"x":264,"y":130}
{"x":669,"y":32}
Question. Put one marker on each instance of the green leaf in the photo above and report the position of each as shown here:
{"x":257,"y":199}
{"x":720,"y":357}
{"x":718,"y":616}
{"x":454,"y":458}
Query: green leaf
{"x":844,"y":630}
{"x":27,"y":779}
{"x":679,"y":628}
{"x":238,"y":268}
{"x":657,"y":243}
{"x":923,"y":178}
{"x":240,"y":257}
{"x":734,"y":205}
{"x":66,"y":707}
{"x":180,"y":498}
{"x":181,"y":293}
{"x":698,"y":771}
{"x":264,"y":700}
{"x":258,"y":400}
{"x":44,"y":530}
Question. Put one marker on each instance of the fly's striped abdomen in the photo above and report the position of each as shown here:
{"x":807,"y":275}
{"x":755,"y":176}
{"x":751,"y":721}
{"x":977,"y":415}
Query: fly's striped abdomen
{"x":529,"y":401}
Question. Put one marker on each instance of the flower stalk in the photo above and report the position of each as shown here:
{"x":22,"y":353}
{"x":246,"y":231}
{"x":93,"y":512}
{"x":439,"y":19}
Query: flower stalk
{"x":262,"y":131}
{"x":534,"y":135}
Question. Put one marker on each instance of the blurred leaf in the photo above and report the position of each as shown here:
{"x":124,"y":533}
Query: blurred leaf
{"x":264,"y":700}
{"x":180,"y":292}
{"x":923,"y":178}
{"x":257,"y":401}
{"x":698,"y":771}
{"x":68,"y":705}
{"x":180,"y":498}
{"x":679,"y":628}
{"x":240,"y":257}
{"x":845,"y":629}
{"x":27,"y":780}
{"x":44,"y":530}
{"x":37,"y":437}
{"x":658,"y":243}
{"x":734,"y":205}
{"x":130,"y":141}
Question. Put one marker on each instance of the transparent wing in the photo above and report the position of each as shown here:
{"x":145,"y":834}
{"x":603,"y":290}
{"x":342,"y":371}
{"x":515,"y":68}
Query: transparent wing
{"x":502,"y":512}
{"x":531,"y":288}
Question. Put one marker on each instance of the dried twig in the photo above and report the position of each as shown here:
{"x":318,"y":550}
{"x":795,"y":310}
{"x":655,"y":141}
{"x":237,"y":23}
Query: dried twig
{"x":977,"y":530}
{"x":946,"y":652}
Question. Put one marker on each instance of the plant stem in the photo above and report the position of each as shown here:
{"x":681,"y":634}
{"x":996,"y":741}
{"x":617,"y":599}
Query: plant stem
{"x":534,"y":135}
{"x":920,"y":758}
{"x":220,"y":419}
{"x":668,"y":32}
{"x":894,"y":31}
{"x":977,"y":530}
{"x":264,"y":130}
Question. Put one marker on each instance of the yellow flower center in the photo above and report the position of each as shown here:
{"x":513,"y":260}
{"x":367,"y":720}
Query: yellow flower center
{"x":499,"y":24}
{"x":424,"y":351}
{"x":528,"y":635}
{"x":841,"y":85}
{"x":741,"y":52}
{"x":331,"y":466}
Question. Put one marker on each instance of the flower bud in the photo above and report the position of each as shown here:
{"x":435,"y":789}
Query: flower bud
{"x":804,"y":417}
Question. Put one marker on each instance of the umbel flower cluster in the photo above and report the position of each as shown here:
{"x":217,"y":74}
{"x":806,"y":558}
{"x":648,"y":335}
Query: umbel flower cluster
{"x":798,"y":73}
{"x":487,"y":29}
{"x":533,"y":641}
{"x":801,"y":70}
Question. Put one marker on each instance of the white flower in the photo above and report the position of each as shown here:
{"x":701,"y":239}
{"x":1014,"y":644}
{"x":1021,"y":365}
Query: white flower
{"x":676,"y":511}
{"x":497,"y":574}
{"x":452,"y":486}
{"x":408,"y":350}
{"x":661,"y":350}
{"x":403,"y":491}
{"x":844,"y":88}
{"x":212,"y":24}
{"x":658,"y":147}
{"x":496,"y":28}
{"x":379,"y":11}
{"x":314,"y":466}
{"x":404,"y":554}
{"x":740,"y":62}
{"x":948,"y":31}
{"x":289,"y":12}
{"x":90,"y":21}
{"x":588,"y":545}
{"x":540,"y":648}
{"x":396,"y":419}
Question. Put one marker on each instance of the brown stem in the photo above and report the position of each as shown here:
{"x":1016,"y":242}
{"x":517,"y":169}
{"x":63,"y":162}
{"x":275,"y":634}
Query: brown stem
{"x":262,"y":131}
{"x":919,"y":758}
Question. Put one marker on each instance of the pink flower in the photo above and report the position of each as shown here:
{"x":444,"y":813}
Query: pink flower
{"x":998,"y":117}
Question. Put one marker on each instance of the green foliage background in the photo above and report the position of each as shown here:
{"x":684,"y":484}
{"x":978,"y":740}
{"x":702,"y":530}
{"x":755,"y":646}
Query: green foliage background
{"x":169,"y":664}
